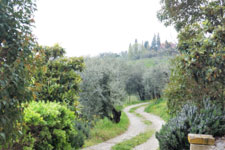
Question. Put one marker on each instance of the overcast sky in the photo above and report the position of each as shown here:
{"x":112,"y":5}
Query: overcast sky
{"x":90,"y":27}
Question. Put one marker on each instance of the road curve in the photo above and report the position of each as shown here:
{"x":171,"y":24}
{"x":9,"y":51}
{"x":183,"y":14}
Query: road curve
{"x":136,"y":127}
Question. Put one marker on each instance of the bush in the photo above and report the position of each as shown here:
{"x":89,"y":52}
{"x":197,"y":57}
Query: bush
{"x":209,"y":120}
{"x":49,"y":126}
{"x":83,"y":133}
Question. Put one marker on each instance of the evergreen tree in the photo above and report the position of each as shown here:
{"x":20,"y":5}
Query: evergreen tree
{"x":158,"y":42}
{"x":130,"y":51}
{"x":167,"y":45}
{"x":154,"y":46}
{"x":146,"y":45}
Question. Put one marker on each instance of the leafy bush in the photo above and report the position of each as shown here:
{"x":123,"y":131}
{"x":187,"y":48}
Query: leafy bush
{"x":209,"y":120}
{"x":50,"y":126}
{"x":60,"y":81}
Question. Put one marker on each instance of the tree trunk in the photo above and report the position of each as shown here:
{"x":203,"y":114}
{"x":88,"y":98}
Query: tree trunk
{"x":116,"y":115}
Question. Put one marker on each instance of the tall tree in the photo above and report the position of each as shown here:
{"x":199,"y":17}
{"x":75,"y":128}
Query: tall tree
{"x":158,"y":42}
{"x":182,"y":13}
{"x":16,"y":43}
{"x":154,"y":43}
{"x":60,"y":82}
{"x":167,"y":45}
{"x":199,"y":70}
{"x":102,"y":88}
{"x":146,"y":45}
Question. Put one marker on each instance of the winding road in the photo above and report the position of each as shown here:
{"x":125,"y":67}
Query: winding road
{"x":136,"y":127}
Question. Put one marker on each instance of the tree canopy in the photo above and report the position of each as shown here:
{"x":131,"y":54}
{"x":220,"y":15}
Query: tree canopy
{"x":199,"y":71}
{"x":182,"y":13}
{"x":16,"y":43}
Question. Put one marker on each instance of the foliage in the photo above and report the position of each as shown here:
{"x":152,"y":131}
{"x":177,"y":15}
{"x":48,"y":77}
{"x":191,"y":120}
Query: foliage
{"x":102,"y":88}
{"x":16,"y":42}
{"x":182,"y":13}
{"x":134,"y":82}
{"x":50,"y":126}
{"x":156,"y":43}
{"x":159,"y":108}
{"x":209,"y":120}
{"x":135,"y":141}
{"x":199,"y":71}
{"x":105,"y":129}
{"x":154,"y":81}
{"x":83,"y":133}
{"x":147,"y":83}
{"x":139,"y":51}
{"x":53,"y":52}
{"x":60,"y":81}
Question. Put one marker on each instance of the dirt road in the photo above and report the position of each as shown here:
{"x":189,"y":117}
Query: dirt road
{"x":136,"y":127}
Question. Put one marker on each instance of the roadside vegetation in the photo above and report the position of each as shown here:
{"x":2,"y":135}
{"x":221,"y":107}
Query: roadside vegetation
{"x":105,"y":129}
{"x":158,"y":107}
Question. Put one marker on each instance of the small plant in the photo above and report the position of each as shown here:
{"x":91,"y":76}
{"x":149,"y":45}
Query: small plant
{"x":209,"y":120}
{"x":50,"y":126}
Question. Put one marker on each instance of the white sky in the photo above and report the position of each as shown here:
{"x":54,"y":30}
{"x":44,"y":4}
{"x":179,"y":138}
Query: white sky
{"x":89,"y":27}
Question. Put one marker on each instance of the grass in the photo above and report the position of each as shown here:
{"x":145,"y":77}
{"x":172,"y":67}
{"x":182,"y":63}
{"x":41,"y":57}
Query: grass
{"x":133,"y":142}
{"x":105,"y":129}
{"x":159,"y":108}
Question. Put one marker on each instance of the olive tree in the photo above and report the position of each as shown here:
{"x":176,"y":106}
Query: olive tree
{"x":102,"y":88}
{"x":134,"y":82}
{"x":155,"y":80}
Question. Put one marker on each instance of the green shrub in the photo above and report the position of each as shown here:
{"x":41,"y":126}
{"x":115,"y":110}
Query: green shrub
{"x":83,"y":133}
{"x":50,"y":126}
{"x":209,"y":120}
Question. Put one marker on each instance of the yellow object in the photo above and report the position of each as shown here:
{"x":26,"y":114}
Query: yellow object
{"x":201,"y":139}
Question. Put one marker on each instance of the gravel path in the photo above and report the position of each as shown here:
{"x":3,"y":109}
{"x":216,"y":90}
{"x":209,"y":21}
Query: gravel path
{"x":136,"y":127}
{"x":157,"y":122}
